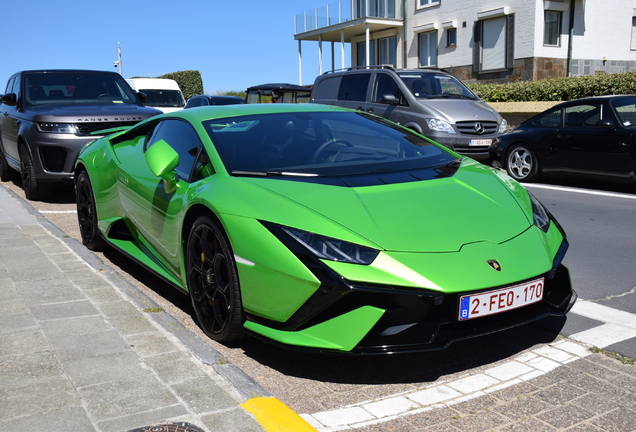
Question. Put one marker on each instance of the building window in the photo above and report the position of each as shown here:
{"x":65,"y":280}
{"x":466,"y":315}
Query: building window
{"x":451,"y":38}
{"x":362,"y":53}
{"x":633,"y":33}
{"x":552,"y":28}
{"x":428,"y":48}
{"x":493,"y":47}
{"x":426,"y":3}
{"x":387,"y":49}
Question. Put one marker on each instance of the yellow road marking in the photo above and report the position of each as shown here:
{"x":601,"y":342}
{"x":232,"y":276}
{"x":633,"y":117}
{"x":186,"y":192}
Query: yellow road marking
{"x":275,"y":416}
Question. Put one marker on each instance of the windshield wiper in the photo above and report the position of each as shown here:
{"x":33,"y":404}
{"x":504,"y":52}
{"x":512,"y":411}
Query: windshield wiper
{"x":271,"y":174}
{"x":448,"y":95}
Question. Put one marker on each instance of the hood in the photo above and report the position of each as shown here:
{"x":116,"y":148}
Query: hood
{"x":458,"y":110}
{"x":439,"y":215}
{"x":91,"y":113}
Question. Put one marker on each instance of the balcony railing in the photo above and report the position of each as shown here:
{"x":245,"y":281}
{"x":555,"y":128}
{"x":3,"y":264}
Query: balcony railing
{"x":336,"y":13}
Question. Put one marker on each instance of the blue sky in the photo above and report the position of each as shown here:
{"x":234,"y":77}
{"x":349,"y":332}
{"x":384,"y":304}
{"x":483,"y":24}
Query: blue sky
{"x":234,"y":44}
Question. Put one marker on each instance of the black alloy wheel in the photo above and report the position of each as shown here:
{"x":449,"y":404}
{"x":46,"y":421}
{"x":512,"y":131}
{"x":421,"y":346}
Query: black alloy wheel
{"x":522,"y":163}
{"x":213,"y":281}
{"x":27,"y":170}
{"x":87,"y":214}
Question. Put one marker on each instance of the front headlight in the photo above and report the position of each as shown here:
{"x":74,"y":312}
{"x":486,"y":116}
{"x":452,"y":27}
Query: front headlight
{"x":439,"y":126}
{"x":503,"y":126}
{"x":540,"y":214}
{"x":332,"y":249}
{"x":60,"y":128}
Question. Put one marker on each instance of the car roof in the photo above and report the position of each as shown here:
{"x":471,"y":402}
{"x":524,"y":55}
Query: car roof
{"x":280,"y":86}
{"x":594,"y":99}
{"x":199,"y":114}
{"x":64,"y":71}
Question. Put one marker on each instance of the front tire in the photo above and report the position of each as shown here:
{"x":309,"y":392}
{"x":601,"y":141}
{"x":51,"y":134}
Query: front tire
{"x":213,"y":281}
{"x":522,"y":163}
{"x":87,"y":214}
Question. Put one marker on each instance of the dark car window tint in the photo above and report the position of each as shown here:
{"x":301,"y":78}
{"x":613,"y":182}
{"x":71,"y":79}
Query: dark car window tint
{"x":319,"y":142}
{"x":385,"y":85}
{"x":183,"y":139}
{"x":626,"y":110}
{"x":328,"y":89}
{"x":353,"y":87}
{"x":551,"y":119}
{"x":582,"y":115}
{"x":9,"y":86}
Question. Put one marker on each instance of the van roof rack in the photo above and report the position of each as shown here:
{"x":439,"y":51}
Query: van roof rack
{"x":389,"y":67}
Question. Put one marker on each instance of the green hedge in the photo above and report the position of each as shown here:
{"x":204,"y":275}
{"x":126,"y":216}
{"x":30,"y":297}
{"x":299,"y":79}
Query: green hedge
{"x":190,"y":82}
{"x":558,"y":89}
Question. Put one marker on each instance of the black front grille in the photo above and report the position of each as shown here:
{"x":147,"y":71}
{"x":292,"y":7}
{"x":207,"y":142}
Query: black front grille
{"x":477,"y":127}
{"x":53,"y":158}
{"x":84,"y":129}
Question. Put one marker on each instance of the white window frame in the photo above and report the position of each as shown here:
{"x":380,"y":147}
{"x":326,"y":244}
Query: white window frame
{"x":545,"y":27}
{"x":390,"y":44}
{"x":431,"y":37}
{"x":422,"y":4}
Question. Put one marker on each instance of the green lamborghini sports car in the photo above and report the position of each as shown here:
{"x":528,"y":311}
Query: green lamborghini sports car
{"x":320,"y":228}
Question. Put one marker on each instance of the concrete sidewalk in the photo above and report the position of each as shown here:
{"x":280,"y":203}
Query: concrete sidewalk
{"x":83,"y":350}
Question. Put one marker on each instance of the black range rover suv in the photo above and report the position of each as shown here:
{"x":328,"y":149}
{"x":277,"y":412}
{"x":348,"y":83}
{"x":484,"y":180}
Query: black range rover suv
{"x":47,"y":116}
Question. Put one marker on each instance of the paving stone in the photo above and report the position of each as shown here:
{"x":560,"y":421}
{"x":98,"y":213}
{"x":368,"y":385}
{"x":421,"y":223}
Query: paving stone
{"x":72,"y":419}
{"x":620,"y":420}
{"x":126,"y":397}
{"x":522,"y":407}
{"x":559,"y":394}
{"x":202,"y":395}
{"x":565,"y":416}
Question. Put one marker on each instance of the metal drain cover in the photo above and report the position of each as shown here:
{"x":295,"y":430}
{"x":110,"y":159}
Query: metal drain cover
{"x":178,"y":427}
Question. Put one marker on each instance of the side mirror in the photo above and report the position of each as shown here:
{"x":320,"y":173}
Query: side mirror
{"x":390,"y":99}
{"x":605,"y":123}
{"x":162,"y":160}
{"x":10,"y":99}
{"x":142,"y":97}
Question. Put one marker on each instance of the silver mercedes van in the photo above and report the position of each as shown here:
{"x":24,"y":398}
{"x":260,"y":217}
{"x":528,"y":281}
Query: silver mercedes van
{"x":430,"y":101}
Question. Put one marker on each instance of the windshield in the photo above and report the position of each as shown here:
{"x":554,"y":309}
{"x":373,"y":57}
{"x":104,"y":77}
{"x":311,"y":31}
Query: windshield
{"x":319,"y":143}
{"x":435,"y":85}
{"x":625,"y":110}
{"x":41,"y":88}
{"x":163,"y":98}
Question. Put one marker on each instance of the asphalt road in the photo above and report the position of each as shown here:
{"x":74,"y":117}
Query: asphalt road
{"x":600,"y":260}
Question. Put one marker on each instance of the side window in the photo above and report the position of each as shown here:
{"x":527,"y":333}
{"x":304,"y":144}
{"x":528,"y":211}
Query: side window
{"x":183,"y":139}
{"x":328,"y":89}
{"x":9,"y":86}
{"x":204,"y":102}
{"x":385,"y":85}
{"x":353,"y":87}
{"x":582,"y":115}
{"x":551,"y":119}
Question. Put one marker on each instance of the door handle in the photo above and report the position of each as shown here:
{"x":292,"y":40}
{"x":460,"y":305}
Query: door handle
{"x":370,"y":110}
{"x":360,"y":108}
{"x":563,"y":136}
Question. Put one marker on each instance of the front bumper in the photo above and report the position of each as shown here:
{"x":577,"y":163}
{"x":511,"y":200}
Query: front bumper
{"x":371,"y":319}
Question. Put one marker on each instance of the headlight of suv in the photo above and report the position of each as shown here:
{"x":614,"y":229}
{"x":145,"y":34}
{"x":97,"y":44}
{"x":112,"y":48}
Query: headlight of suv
{"x":61,"y":128}
{"x":540,"y":214}
{"x":503,"y":126}
{"x":440,"y":126}
{"x":332,"y":249}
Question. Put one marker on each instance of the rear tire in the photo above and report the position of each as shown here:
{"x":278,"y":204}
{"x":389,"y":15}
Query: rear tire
{"x":213,"y":281}
{"x":522,"y":163}
{"x":87,"y":214}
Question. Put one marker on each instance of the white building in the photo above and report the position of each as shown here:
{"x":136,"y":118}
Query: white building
{"x":477,"y":40}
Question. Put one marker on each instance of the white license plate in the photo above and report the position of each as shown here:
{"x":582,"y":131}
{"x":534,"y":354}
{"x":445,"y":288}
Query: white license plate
{"x":480,"y":142}
{"x":501,"y":300}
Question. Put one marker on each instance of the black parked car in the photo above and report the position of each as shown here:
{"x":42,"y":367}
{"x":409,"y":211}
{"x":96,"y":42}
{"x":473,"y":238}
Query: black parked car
{"x":47,"y":116}
{"x":591,"y":137}
{"x":205,"y":100}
